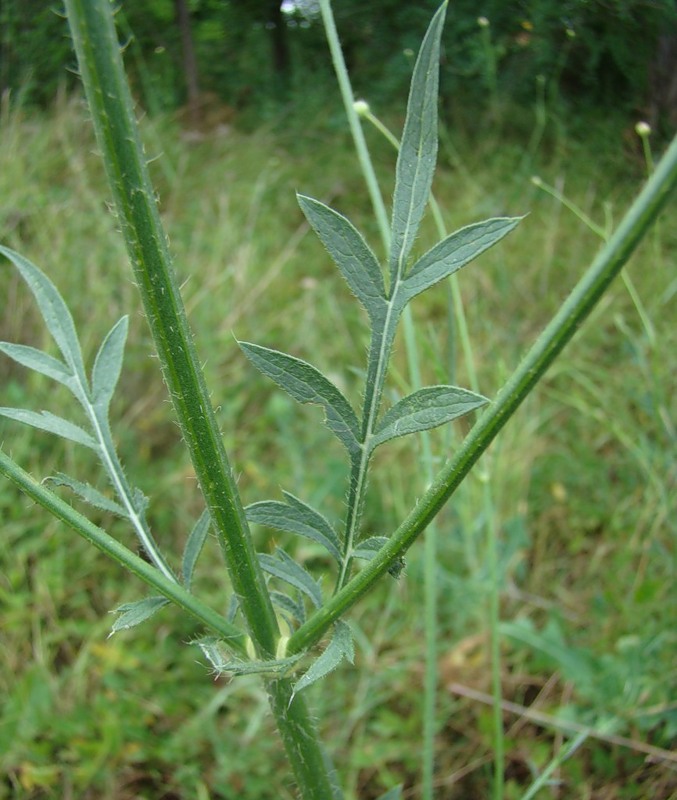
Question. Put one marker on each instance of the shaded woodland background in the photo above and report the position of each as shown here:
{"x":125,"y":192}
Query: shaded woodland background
{"x":259,"y":56}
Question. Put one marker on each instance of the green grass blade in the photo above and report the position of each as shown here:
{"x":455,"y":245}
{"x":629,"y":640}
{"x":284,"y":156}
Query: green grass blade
{"x":418,"y":149}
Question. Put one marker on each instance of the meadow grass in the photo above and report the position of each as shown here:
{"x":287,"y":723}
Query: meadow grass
{"x":583,"y":480}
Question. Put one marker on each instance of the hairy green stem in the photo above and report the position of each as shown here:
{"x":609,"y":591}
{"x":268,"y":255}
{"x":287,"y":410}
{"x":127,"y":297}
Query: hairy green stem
{"x":111,"y":109}
{"x":123,"y":490}
{"x":604,"y":268}
{"x":167,"y":587}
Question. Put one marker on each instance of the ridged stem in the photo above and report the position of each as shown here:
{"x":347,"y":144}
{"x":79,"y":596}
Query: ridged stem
{"x":111,"y":108}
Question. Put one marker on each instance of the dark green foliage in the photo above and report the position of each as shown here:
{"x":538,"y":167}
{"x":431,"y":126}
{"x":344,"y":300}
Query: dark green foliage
{"x":253,"y":55}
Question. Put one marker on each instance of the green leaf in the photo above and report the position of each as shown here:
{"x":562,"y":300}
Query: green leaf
{"x":52,"y":424}
{"x":454,"y":252}
{"x":352,"y":254}
{"x":194,"y":546}
{"x":108,"y":364}
{"x":295,"y":516}
{"x":340,"y":647}
{"x":367,"y":548}
{"x":291,"y":606}
{"x":88,"y":493}
{"x":139,"y":502}
{"x":424,"y":409}
{"x":54,"y":312}
{"x":214,"y":654}
{"x":284,"y":567}
{"x":132,"y":614}
{"x":307,"y":384}
{"x":40,"y":362}
{"x":418,"y":149}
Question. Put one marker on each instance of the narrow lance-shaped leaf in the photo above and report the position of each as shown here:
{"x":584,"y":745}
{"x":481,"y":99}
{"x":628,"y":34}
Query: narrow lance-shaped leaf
{"x":307,"y":384}
{"x":88,"y":493}
{"x":54,"y":311}
{"x":133,"y":614}
{"x":425,"y":409}
{"x":46,"y":421}
{"x":367,"y":548}
{"x":340,"y":647}
{"x":350,"y":252}
{"x":295,"y":608}
{"x":40,"y":362}
{"x":295,"y":516}
{"x":211,"y":648}
{"x":194,"y":545}
{"x":285,"y":568}
{"x":418,"y":149}
{"x":454,"y":252}
{"x":108,"y":364}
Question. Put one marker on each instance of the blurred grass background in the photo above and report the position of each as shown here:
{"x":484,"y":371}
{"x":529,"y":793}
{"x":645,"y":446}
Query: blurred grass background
{"x":583,"y":478}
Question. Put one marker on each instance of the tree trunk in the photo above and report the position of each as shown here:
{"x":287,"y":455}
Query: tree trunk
{"x":190,"y":71}
{"x":279,"y":44}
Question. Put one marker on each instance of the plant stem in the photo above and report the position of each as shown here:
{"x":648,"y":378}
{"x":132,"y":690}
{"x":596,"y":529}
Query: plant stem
{"x":111,"y":108}
{"x":494,"y":637}
{"x":604,"y":268}
{"x":167,"y":587}
{"x":110,"y":105}
{"x":354,"y":122}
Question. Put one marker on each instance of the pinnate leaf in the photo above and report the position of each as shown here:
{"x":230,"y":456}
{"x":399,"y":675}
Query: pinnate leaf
{"x":295,"y":516}
{"x":54,"y":311}
{"x":340,"y":647}
{"x":424,"y":409}
{"x":418,"y":148}
{"x":88,"y":493}
{"x":307,"y":384}
{"x":132,"y":614}
{"x":454,"y":252}
{"x":108,"y":364}
{"x":351,"y":253}
{"x":49,"y":422}
{"x":284,"y":567}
